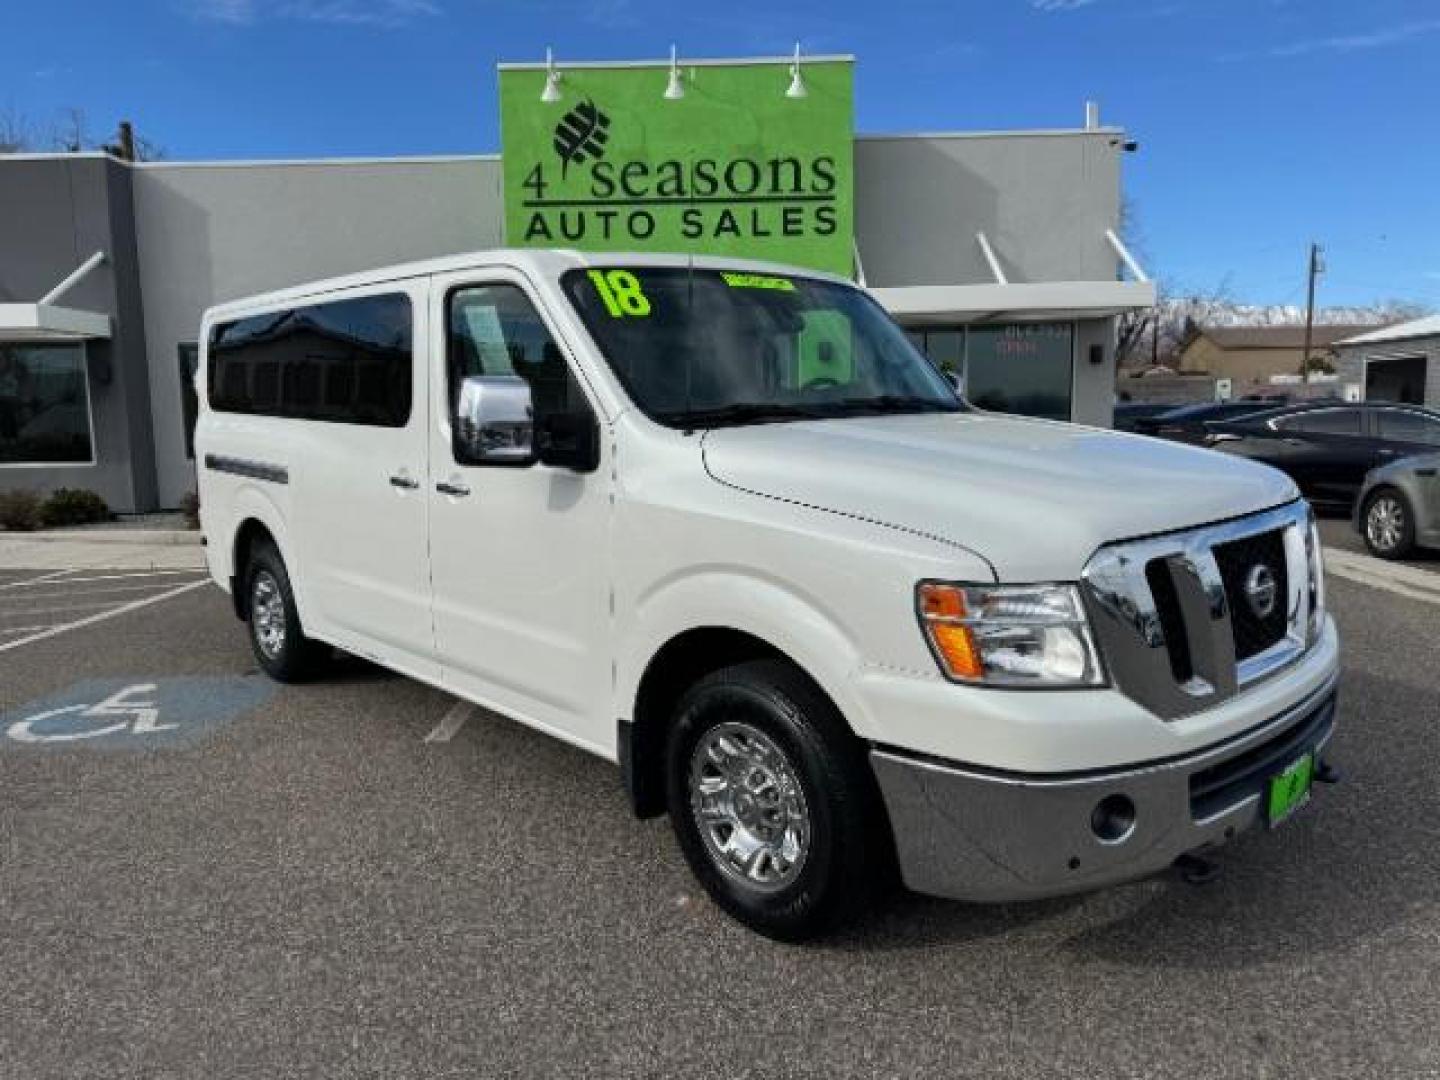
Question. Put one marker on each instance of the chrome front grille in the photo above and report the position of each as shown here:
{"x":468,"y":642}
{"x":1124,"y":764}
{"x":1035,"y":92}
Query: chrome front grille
{"x":1183,"y":619}
{"x":1254,"y":632}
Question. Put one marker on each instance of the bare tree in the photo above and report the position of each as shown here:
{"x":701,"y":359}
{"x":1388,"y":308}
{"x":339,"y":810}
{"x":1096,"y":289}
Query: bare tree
{"x":16,"y":134}
{"x":1135,"y":329}
{"x":71,"y":132}
{"x":1133,"y":333}
{"x":1156,"y":335}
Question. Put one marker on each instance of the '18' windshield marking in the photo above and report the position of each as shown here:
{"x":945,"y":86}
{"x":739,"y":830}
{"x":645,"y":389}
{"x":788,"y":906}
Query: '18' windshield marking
{"x":621,"y":293}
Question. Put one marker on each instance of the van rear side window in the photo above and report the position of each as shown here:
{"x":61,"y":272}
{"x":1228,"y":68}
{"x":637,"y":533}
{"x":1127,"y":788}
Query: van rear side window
{"x":347,"y":362}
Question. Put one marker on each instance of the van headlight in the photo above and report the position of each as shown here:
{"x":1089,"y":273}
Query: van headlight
{"x":1009,"y":635}
{"x":1315,"y":566}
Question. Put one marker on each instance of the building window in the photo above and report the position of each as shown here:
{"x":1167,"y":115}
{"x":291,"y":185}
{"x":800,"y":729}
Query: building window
{"x":44,"y":406}
{"x":189,"y":355}
{"x":1023,"y":368}
{"x":947,"y":348}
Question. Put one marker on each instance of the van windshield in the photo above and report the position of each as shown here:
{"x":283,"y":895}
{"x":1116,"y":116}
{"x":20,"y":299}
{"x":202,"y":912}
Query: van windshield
{"x":710,"y":348}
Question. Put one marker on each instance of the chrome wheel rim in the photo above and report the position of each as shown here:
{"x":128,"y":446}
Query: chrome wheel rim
{"x":267,"y":614}
{"x":1385,"y":523}
{"x":749,"y":806}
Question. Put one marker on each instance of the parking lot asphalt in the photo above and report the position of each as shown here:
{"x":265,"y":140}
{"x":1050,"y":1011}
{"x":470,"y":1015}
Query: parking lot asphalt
{"x":38,"y":603}
{"x":354,"y":878}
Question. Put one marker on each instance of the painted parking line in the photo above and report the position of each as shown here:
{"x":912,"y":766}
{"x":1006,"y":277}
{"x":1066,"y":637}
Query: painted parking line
{"x":109,"y":613}
{"x":75,"y":594}
{"x":66,"y":611}
{"x":451,"y":723}
{"x":35,"y":580}
{"x":57,"y":578}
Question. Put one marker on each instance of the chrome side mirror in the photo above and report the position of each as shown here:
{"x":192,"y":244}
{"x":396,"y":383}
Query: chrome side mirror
{"x":495,"y":421}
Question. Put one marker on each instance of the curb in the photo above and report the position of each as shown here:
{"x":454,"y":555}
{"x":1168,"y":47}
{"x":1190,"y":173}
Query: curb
{"x":134,"y":537}
{"x":1422,"y":585}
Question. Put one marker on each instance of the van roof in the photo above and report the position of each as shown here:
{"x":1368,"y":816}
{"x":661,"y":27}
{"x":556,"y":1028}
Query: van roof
{"x":539,"y":262}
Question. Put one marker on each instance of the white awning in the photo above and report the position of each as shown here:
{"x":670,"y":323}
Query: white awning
{"x":921,"y":305}
{"x":47,"y":322}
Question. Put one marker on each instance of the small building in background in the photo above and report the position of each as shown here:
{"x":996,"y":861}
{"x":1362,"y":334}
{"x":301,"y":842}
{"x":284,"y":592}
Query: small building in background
{"x":1254,"y":357}
{"x":1397,"y":363}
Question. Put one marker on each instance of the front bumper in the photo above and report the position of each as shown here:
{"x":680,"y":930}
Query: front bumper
{"x":976,"y":834}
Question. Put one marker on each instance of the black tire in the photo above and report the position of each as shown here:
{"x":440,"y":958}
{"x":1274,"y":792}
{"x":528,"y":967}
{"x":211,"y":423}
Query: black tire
{"x":1395,"y":537}
{"x":292,"y":657}
{"x":849,"y":858}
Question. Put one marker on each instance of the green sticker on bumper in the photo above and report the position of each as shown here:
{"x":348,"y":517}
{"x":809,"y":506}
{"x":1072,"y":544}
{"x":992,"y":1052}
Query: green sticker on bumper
{"x":1291,"y":789}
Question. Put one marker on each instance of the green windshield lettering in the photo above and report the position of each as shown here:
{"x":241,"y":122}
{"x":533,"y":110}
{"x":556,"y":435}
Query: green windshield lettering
{"x":758,"y":281}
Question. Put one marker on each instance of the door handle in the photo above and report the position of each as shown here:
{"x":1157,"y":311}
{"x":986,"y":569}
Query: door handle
{"x":459,"y":491}
{"x":405,"y":483}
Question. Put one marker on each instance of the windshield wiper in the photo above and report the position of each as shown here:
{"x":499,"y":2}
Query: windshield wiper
{"x":745,"y":412}
{"x":892,"y":403}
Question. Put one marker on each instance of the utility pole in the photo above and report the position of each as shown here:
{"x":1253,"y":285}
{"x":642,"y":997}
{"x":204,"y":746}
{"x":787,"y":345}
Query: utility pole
{"x":1317,"y":267}
{"x":127,"y":141}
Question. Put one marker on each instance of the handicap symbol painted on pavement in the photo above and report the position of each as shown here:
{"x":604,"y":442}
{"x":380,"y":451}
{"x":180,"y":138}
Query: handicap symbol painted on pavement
{"x":133,"y":714}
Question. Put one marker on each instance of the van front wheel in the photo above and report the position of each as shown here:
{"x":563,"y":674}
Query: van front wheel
{"x":276,"y":636}
{"x":772,"y":801}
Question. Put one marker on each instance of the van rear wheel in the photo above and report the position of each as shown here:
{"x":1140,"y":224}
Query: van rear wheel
{"x":773,"y":802}
{"x":276,"y":635}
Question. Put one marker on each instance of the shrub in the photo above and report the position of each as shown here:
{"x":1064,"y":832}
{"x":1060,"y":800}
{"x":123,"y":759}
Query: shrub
{"x":20,"y":510}
{"x":190,"y":507}
{"x":74,"y":506}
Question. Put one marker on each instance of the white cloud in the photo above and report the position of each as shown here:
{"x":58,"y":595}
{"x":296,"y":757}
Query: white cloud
{"x":237,"y":12}
{"x":334,"y":12}
{"x":1345,"y":43}
{"x":1060,"y":5}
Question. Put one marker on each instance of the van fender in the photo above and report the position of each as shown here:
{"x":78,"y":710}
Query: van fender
{"x":252,"y":502}
{"x":738,"y":598}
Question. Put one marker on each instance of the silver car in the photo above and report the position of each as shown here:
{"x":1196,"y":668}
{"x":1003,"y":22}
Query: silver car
{"x":1399,"y":507}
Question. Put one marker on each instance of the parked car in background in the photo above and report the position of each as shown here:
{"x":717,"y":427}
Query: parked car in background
{"x":1186,"y":423}
{"x":1129,"y":413}
{"x":1327,"y":448}
{"x":1399,"y":507}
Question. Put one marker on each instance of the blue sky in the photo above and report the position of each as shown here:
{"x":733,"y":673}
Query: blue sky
{"x":1262,"y":123}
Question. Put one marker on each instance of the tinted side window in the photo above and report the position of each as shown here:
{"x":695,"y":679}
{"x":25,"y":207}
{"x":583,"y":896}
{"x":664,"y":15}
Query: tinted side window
{"x":348,"y":362}
{"x":1325,"y":422}
{"x":1404,"y":426}
{"x":495,"y":330}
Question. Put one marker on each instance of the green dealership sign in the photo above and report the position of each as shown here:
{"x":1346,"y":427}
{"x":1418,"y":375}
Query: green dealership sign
{"x":733,"y":165}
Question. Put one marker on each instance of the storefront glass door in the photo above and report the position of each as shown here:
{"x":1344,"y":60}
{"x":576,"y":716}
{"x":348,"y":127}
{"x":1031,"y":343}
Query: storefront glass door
{"x":1023,"y":368}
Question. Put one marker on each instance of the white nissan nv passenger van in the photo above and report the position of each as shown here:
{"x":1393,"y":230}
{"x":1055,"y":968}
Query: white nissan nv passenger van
{"x":720,"y":523}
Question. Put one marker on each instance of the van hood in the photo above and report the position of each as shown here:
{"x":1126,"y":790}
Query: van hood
{"x":1034,"y":498}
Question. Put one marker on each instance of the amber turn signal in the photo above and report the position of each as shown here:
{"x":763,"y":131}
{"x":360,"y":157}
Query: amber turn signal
{"x":941,"y":609}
